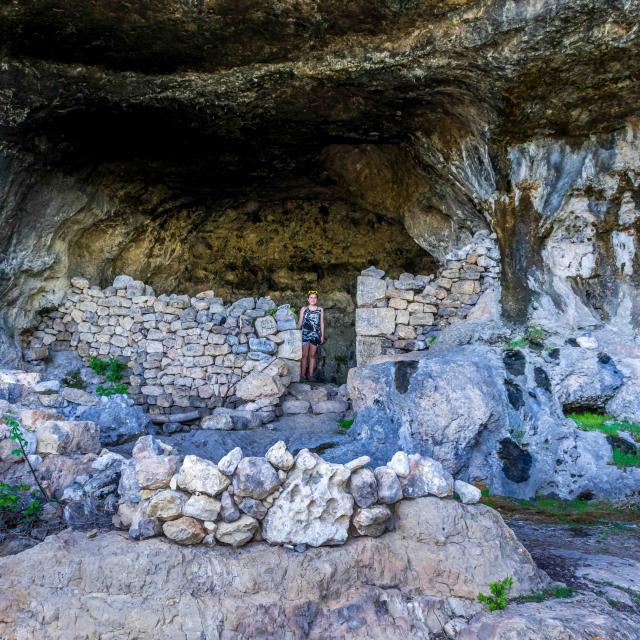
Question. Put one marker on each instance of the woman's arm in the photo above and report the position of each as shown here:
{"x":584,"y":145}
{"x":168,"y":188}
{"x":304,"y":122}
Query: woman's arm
{"x":321,"y":326}
{"x":300,"y":316}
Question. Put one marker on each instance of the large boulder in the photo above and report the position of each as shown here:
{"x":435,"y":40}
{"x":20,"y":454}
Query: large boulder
{"x":314,"y":507}
{"x":259,"y":385}
{"x":119,"y":419}
{"x":403,"y":584}
{"x":437,"y":406}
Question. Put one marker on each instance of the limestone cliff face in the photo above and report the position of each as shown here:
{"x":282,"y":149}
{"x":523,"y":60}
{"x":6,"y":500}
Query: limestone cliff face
{"x":275,"y":147}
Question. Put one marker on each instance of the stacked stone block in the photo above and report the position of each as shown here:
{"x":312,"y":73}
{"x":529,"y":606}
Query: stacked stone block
{"x":182,"y":351}
{"x":283,"y":499}
{"x":396,"y":316}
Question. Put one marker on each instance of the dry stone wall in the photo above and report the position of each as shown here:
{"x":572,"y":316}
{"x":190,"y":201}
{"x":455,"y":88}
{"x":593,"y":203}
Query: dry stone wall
{"x":182,"y":351}
{"x":396,"y":316}
{"x":283,"y":499}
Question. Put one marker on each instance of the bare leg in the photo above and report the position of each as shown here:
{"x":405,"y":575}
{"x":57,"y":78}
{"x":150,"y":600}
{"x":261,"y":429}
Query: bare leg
{"x":303,"y":362}
{"x":312,"y":359}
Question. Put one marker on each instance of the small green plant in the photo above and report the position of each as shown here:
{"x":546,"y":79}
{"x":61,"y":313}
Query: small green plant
{"x":622,"y":459}
{"x":431,"y":340}
{"x":98,"y":365}
{"x":272,"y":312}
{"x":111,"y":369}
{"x":344,"y":424}
{"x":499,"y":592}
{"x":589,"y":421}
{"x":13,"y":497}
{"x":532,"y":335}
{"x":547,"y":594}
{"x":73,"y":379}
{"x":111,"y":390}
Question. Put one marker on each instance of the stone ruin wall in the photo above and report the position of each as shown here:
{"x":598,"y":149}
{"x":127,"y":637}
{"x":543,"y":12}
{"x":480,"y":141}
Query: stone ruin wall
{"x":183,"y":352}
{"x":281,"y":498}
{"x":398,"y":316}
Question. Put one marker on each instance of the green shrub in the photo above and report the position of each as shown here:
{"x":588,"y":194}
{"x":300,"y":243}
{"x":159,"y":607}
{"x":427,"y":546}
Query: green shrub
{"x":112,"y":390}
{"x":431,"y":340}
{"x":272,"y":312}
{"x":14,"y":498}
{"x":499,"y":592}
{"x":532,"y":335}
{"x":344,"y":424}
{"x":112,"y":369}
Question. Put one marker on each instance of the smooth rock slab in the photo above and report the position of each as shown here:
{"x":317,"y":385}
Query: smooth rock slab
{"x":314,"y":507}
{"x":440,"y":549}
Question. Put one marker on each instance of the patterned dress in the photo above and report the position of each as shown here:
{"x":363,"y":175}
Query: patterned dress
{"x":311,"y":326}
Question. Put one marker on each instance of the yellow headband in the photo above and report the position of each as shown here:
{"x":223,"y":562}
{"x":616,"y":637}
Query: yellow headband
{"x":312,"y":293}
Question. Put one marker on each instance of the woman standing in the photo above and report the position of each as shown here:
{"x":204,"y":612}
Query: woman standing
{"x":311,"y":321}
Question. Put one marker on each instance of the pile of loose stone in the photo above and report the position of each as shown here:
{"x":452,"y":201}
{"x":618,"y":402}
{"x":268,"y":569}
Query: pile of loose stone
{"x":283,"y":499}
{"x":182,"y":351}
{"x":394,"y":316}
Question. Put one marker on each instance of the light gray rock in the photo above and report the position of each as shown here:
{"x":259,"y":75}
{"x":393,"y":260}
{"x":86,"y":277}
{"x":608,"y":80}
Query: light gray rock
{"x":238,"y":532}
{"x":166,"y":505}
{"x":330,"y":406}
{"x":118,"y":418}
{"x":584,"y":377}
{"x":372,"y":272}
{"x":122,"y":281}
{"x":184,"y":531}
{"x":218,"y":422}
{"x":198,"y":475}
{"x":375,"y":322}
{"x":79,"y":396}
{"x":229,"y":462}
{"x":229,"y":512}
{"x":370,"y":289}
{"x":399,"y":464}
{"x":263,"y":345}
{"x":373,"y":521}
{"x":151,"y":446}
{"x":363,"y":487}
{"x":155,"y":472}
{"x":279,"y":457}
{"x":295,"y":406}
{"x":265,"y":326}
{"x":426,"y":477}
{"x":253,"y":508}
{"x":291,"y":346}
{"x":357,"y":463}
{"x":585,"y":616}
{"x":314,"y":507}
{"x":625,"y":405}
{"x":259,"y":385}
{"x":389,"y":487}
{"x":254,"y":477}
{"x":67,"y":437}
{"x":467,"y":492}
{"x":202,"y":507}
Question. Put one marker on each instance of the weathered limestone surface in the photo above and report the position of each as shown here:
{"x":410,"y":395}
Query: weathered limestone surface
{"x":440,"y":550}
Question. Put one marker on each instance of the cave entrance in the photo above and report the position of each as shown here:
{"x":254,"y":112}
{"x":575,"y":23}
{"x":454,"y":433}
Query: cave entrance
{"x":280,"y":249}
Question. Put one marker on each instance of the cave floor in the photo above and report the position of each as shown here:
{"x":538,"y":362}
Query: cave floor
{"x":315,"y":432}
